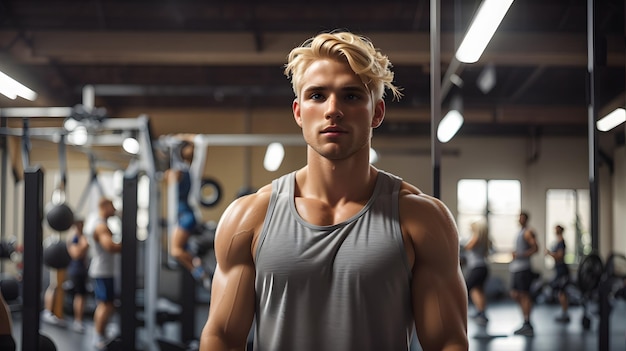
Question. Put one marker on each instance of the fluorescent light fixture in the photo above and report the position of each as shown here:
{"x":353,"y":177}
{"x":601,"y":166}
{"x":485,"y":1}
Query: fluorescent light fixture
{"x":12,"y":88}
{"x":373,"y":155}
{"x":273,"y":156}
{"x":5,"y":90}
{"x":488,"y":18}
{"x":131,"y":145}
{"x":36,"y":111}
{"x":449,"y":125}
{"x":612,"y":120}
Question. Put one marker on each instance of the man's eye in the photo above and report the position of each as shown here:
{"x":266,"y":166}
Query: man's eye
{"x":316,"y":96}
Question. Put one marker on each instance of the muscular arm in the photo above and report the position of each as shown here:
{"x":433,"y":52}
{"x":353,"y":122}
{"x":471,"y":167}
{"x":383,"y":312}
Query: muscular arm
{"x":233,"y":294}
{"x":438,"y":289}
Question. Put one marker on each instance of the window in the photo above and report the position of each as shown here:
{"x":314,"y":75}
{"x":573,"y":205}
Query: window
{"x":569,"y":208}
{"x":496,"y":201}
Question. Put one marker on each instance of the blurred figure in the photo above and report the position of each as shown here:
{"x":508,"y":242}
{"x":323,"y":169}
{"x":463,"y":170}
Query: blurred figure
{"x":47,"y":315}
{"x":562,"y":276}
{"x":187,"y":224}
{"x":78,"y":247}
{"x":522,"y":275}
{"x":101,"y":269}
{"x":476,"y":252}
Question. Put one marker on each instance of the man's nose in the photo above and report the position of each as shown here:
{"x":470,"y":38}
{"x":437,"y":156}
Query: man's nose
{"x":333,"y":108}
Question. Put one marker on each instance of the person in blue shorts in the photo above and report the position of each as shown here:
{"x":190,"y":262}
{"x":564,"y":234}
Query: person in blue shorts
{"x":101,"y":269}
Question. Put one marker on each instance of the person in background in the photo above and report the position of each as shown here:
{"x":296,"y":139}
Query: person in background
{"x":101,"y":269}
{"x":78,"y":247}
{"x":187,"y":224}
{"x":49,"y":297}
{"x":337,"y":255}
{"x":476,"y":252}
{"x":562,"y":276}
{"x":522,"y":275}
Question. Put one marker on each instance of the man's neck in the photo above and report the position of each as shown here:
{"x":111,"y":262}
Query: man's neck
{"x":334,"y":181}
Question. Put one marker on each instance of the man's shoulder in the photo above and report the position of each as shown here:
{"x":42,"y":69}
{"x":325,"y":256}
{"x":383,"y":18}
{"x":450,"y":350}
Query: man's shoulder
{"x":530,"y":231}
{"x":249,"y":207}
{"x":424,"y":212}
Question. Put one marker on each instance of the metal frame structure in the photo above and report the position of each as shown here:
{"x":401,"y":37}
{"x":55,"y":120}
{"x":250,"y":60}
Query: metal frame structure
{"x":144,"y":162}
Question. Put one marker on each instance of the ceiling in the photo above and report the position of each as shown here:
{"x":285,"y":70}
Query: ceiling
{"x":230,"y":54}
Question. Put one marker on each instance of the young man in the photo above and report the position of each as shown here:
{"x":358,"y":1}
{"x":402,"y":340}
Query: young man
{"x":522,"y":275}
{"x":101,"y":269}
{"x":337,"y":255}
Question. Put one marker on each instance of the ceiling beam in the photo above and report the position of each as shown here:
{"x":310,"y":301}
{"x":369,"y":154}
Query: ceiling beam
{"x":217,"y":48}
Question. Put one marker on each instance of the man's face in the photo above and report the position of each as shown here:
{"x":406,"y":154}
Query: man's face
{"x":335,"y":110}
{"x":523,"y":219}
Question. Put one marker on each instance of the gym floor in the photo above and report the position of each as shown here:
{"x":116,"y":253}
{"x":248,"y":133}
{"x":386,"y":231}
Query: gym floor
{"x":504,"y":318}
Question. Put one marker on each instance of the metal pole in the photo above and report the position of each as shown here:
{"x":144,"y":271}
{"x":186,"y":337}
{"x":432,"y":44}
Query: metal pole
{"x":33,"y":253}
{"x":435,"y":94}
{"x":153,"y":242}
{"x":187,"y":299}
{"x":603,"y":327}
{"x":128,"y":317}
{"x":592,"y":113}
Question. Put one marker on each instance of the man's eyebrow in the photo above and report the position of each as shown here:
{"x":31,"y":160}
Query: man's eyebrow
{"x":349,"y":88}
{"x":314,"y":88}
{"x":356,"y":88}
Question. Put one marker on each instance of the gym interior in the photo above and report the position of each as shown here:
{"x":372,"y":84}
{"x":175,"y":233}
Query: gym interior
{"x":109,"y":75}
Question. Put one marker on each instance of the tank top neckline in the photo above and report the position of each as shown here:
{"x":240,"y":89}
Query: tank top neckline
{"x":291,"y":185}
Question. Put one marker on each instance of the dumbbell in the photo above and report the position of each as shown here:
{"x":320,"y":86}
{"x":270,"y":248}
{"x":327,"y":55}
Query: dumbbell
{"x":10,"y":289}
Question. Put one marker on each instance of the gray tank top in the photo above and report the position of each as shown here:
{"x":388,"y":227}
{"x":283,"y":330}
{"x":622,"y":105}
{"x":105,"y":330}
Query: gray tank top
{"x":339,"y":287}
{"x":102,"y":262}
{"x":521,"y":245}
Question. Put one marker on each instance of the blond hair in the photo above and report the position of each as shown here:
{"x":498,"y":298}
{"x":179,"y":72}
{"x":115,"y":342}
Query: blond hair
{"x":373,"y":67}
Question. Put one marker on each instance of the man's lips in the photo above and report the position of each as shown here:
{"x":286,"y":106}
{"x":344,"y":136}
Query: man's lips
{"x":333,"y":130}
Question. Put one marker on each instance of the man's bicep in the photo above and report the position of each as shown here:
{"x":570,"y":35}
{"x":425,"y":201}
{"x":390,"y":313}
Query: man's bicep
{"x":232,"y":294}
{"x":440,"y":306}
{"x":438,"y":288}
{"x":232,"y":306}
{"x":232,"y":298}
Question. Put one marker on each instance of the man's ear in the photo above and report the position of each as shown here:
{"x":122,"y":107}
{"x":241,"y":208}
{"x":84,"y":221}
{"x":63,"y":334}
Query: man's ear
{"x":379,"y":113}
{"x":295,"y":106}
